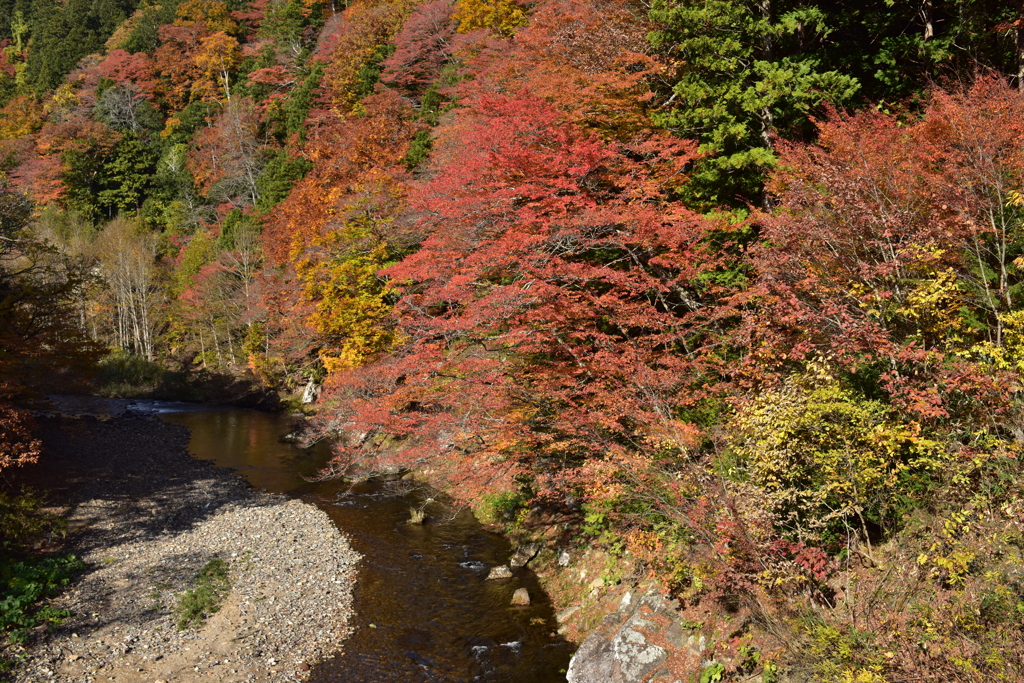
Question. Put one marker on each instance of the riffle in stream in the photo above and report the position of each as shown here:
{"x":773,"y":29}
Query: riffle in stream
{"x":424,"y":610}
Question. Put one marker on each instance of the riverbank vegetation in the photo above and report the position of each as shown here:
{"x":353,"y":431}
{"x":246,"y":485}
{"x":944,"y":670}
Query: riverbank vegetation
{"x":28,"y":574}
{"x":723,"y":285}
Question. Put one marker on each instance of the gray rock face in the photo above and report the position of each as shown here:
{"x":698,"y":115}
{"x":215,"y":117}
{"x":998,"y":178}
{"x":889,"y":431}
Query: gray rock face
{"x":634,"y":644}
{"x":564,"y":614}
{"x":524,"y":554}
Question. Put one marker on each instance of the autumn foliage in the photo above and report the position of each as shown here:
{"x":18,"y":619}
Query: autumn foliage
{"x":628,"y":271}
{"x":530,"y":301}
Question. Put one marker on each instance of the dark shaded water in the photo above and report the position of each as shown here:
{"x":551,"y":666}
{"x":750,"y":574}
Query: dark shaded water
{"x":434,"y":616}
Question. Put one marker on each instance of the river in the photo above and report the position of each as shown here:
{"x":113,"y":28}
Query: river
{"x":424,"y":610}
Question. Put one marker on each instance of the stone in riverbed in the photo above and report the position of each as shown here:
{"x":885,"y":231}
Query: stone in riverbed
{"x":521,"y":597}
{"x":500,"y":572}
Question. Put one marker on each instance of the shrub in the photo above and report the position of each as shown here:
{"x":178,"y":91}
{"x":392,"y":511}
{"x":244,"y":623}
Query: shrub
{"x":21,"y":524}
{"x":827,"y":456}
{"x":125,"y":374}
{"x":25,"y":581}
{"x":501,"y":508}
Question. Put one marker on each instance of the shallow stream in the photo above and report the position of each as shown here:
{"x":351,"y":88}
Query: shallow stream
{"x":424,"y":610}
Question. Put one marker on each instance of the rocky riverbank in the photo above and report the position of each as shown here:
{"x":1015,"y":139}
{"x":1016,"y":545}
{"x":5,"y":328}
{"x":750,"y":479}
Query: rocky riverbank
{"x":145,"y":517}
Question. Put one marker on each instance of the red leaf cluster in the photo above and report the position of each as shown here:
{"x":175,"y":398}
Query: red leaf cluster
{"x":541,"y":305}
{"x":422,"y":47}
{"x":873,"y":215}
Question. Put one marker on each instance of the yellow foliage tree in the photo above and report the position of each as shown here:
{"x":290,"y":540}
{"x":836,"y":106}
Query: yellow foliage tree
{"x":16,"y":51}
{"x":211,"y":13}
{"x":20,"y":117}
{"x":63,"y":101}
{"x":1008,"y":354}
{"x":350,"y":302}
{"x":218,"y":54}
{"x":368,"y":28}
{"x":128,"y":26}
{"x":825,"y":455}
{"x":503,"y":16}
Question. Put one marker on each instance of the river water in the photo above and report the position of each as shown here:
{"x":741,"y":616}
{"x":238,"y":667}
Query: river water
{"x":424,"y":610}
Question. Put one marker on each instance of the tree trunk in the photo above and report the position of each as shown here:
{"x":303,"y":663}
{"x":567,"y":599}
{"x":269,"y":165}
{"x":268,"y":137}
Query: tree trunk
{"x":216,"y":343}
{"x":1018,"y":37}
{"x":927,"y":18}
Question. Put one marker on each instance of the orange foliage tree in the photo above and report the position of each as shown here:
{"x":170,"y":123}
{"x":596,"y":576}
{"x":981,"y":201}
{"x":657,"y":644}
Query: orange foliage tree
{"x":175,"y":65}
{"x":591,"y":59}
{"x":365,"y":27}
{"x":353,"y":156}
{"x":18,"y":445}
{"x":22,"y":116}
{"x":343,"y":206}
{"x":896,"y":249}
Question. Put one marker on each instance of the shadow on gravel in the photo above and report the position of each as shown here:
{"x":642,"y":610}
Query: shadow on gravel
{"x":135,"y":470}
{"x":127,"y":480}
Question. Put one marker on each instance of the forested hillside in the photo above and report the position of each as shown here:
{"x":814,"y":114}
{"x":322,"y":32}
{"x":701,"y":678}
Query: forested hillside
{"x":731,"y":288}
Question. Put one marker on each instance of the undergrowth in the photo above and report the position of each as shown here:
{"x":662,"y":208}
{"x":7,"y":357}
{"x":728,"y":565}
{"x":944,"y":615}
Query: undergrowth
{"x":28,"y":577}
{"x":125,"y":375}
{"x":22,"y":526}
{"x":24,"y":585}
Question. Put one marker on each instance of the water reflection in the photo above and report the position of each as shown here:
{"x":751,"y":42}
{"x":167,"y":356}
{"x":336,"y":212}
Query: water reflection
{"x":423,"y":589}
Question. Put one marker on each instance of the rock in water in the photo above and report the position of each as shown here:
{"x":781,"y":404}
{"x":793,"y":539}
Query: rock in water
{"x":521,"y":597}
{"x":524,"y":554}
{"x":500,"y":572}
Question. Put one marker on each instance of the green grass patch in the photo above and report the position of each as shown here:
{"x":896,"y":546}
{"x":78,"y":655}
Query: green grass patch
{"x":201,"y":602}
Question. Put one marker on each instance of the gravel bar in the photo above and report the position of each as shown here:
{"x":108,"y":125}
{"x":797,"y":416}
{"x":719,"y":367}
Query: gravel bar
{"x":145,"y":517}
